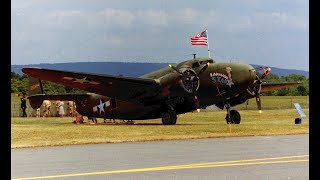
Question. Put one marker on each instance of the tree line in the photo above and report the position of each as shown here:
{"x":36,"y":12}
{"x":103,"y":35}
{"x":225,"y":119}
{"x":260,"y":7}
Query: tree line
{"x":19,"y":84}
{"x":299,"y":90}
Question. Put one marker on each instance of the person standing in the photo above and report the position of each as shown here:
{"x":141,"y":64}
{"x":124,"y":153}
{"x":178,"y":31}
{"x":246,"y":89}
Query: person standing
{"x":23,"y":100}
{"x":46,"y":108}
{"x":61,"y":109}
{"x":70,"y":108}
{"x":57,"y":104}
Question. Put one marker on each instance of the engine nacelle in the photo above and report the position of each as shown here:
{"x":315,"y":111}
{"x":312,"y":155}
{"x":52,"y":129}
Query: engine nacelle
{"x":190,"y":81}
{"x":170,"y":79}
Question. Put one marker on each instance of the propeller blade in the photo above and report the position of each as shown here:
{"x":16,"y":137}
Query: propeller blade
{"x":259,"y":103}
{"x":203,"y":69}
{"x":258,"y":100}
{"x":196,"y":101}
{"x":191,"y":78}
{"x":174,"y":68}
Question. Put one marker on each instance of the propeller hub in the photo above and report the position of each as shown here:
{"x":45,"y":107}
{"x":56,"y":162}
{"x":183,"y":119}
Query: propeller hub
{"x":190,"y":80}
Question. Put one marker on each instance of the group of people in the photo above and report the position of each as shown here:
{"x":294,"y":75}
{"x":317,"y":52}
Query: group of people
{"x":47,"y":107}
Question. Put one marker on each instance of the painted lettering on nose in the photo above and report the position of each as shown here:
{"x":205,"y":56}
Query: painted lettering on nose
{"x":222,"y":78}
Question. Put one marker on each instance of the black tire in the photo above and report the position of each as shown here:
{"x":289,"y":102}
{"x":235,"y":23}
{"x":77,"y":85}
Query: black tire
{"x":169,"y":118}
{"x":235,"y":117}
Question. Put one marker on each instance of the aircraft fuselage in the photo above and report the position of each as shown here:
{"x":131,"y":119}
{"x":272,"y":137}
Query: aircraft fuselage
{"x":218,"y":83}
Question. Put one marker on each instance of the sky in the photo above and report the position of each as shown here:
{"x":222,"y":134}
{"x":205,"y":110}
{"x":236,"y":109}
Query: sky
{"x":265,"y":32}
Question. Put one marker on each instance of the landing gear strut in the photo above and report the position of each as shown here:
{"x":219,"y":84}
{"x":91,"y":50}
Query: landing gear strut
{"x":169,"y":117}
{"x":233,"y":116}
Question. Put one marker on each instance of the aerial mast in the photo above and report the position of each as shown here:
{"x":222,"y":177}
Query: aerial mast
{"x":208,"y":43}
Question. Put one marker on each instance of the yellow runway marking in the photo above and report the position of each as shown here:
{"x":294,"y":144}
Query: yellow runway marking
{"x":275,"y":160}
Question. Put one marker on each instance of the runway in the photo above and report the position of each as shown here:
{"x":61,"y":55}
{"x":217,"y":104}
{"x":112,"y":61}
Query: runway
{"x":260,"y":157}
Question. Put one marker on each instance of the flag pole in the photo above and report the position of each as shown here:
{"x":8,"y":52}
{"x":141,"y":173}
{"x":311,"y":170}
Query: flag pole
{"x":208,"y":43}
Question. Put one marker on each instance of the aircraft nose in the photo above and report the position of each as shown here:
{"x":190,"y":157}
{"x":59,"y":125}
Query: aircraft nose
{"x":238,"y":75}
{"x":245,"y":74}
{"x":252,"y":73}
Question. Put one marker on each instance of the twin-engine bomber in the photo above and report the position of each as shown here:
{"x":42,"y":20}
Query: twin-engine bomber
{"x":190,"y":85}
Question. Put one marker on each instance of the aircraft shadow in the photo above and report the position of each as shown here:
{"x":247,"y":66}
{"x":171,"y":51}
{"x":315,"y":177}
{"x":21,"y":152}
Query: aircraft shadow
{"x":137,"y":124}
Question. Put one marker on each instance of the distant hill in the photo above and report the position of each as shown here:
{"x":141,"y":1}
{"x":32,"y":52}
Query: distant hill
{"x":128,"y":68}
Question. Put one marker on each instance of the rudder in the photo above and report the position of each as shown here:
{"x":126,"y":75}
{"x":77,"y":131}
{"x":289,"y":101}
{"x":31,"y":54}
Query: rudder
{"x":35,"y":86}
{"x":35,"y":92}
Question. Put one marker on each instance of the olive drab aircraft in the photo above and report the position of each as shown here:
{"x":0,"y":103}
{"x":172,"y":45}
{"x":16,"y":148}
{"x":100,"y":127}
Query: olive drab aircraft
{"x":184,"y":87}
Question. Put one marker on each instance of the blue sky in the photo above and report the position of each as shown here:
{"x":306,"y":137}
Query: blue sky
{"x":266,"y":32}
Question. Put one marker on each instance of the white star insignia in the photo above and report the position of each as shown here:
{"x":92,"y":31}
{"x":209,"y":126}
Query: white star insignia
{"x":80,"y":80}
{"x":101,"y":106}
{"x":83,"y":80}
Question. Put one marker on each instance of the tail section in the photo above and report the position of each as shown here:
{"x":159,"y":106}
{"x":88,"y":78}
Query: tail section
{"x":35,"y":86}
{"x":35,"y":92}
{"x":37,"y":96}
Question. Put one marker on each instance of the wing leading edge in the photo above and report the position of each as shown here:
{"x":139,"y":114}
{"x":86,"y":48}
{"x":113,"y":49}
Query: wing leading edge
{"x":112,"y":86}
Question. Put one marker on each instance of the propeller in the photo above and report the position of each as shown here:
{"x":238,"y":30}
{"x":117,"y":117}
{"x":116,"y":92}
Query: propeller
{"x":190,"y":81}
{"x":257,"y":86}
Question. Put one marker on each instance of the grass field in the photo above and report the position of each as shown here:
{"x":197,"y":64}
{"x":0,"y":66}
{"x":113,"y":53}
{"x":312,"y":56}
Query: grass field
{"x":268,"y":102}
{"x":277,"y":119}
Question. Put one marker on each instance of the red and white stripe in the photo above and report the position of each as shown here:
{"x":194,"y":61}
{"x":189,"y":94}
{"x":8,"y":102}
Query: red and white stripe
{"x":200,"y":41}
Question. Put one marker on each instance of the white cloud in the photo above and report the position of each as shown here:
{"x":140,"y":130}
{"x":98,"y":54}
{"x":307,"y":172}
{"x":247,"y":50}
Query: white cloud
{"x":117,"y":17}
{"x":187,"y":15}
{"x":275,"y":21}
{"x":153,"y":18}
{"x":42,"y":28}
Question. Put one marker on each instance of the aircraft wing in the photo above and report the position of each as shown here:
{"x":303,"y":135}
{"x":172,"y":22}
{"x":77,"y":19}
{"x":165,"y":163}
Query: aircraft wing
{"x":112,"y":86}
{"x":268,"y":86}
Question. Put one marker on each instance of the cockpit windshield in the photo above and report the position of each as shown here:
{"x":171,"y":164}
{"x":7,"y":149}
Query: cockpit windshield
{"x":206,"y":61}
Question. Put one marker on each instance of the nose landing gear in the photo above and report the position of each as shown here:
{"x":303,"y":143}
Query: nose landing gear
{"x":233,"y":116}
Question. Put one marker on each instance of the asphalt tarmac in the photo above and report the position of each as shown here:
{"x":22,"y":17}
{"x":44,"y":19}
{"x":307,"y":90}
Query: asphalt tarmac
{"x":255,"y":157}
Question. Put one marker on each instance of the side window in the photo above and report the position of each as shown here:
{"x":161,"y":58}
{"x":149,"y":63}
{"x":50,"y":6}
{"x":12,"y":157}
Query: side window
{"x":206,"y":61}
{"x":203,"y":62}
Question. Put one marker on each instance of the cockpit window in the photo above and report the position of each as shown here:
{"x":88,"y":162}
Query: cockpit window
{"x":206,"y":61}
{"x":195,"y":65}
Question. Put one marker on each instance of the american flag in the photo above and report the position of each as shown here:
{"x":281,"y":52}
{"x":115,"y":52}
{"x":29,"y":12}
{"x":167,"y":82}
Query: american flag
{"x":200,"y":39}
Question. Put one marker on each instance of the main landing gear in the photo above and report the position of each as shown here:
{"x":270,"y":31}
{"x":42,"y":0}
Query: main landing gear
{"x":233,"y":116}
{"x":169,"y":117}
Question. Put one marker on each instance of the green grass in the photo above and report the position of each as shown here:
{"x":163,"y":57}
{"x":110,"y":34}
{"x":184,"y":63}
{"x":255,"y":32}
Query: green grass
{"x":276,"y":102}
{"x":277,"y":119}
{"x":34,"y":132}
{"x":268,"y":102}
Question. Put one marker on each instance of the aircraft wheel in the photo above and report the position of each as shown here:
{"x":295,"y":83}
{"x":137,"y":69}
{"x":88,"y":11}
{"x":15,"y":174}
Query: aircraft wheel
{"x":169,"y":118}
{"x":235,"y":117}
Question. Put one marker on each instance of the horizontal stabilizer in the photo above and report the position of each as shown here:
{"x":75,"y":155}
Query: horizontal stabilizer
{"x":36,"y":101}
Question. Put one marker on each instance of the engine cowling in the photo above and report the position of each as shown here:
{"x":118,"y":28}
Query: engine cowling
{"x":189,"y":81}
{"x":170,"y":79}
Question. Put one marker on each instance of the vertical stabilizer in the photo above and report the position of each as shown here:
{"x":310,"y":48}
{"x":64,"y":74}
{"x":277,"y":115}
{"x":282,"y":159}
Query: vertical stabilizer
{"x":35,"y":86}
